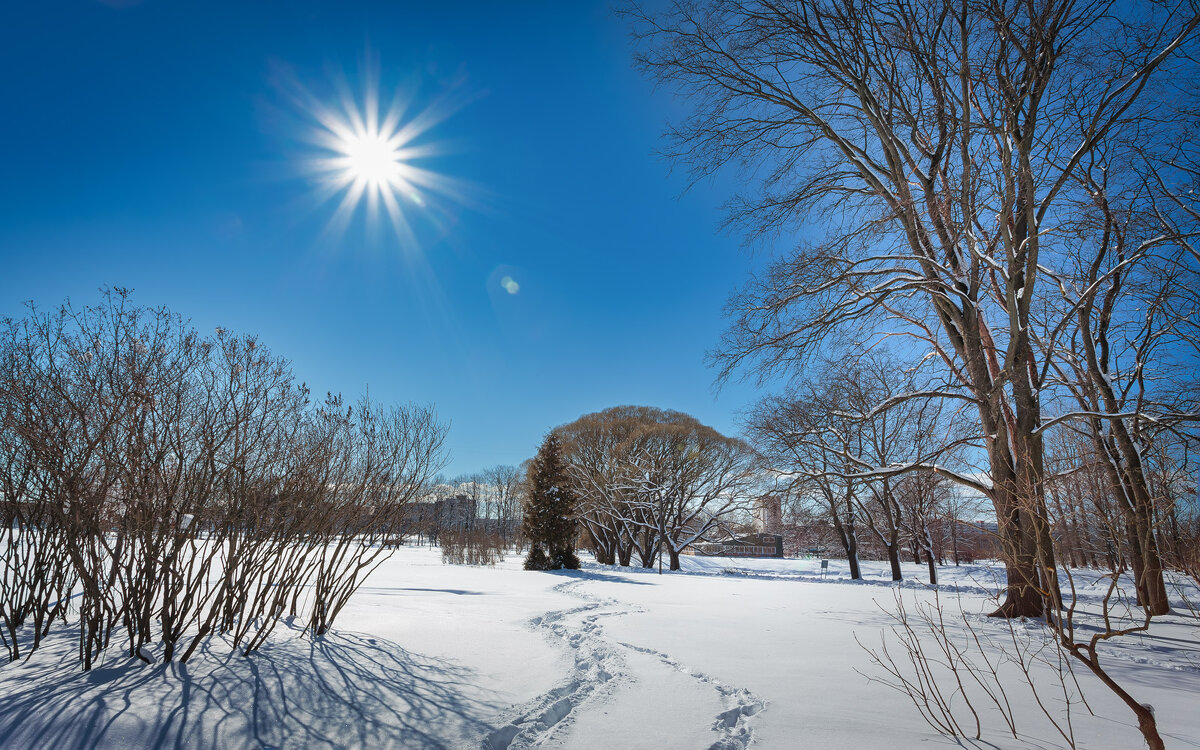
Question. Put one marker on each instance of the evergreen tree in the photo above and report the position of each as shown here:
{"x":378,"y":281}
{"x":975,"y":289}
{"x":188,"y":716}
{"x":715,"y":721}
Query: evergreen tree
{"x":550,"y":511}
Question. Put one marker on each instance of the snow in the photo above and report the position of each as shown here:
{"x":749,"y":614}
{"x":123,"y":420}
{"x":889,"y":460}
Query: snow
{"x":725,"y":654}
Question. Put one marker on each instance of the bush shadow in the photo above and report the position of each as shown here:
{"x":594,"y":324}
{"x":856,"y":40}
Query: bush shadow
{"x":340,"y":690}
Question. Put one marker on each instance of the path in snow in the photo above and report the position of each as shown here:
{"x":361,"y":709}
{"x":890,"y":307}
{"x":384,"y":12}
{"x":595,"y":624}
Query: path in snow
{"x":601,"y":670}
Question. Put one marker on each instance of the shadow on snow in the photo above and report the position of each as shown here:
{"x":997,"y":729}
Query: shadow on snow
{"x":342,"y":690}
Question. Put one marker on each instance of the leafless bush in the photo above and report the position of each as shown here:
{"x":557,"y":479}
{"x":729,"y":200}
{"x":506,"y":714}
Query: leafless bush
{"x":36,"y":577}
{"x":471,"y":547}
{"x":1071,"y":635}
{"x":177,"y":486}
{"x":951,"y":668}
{"x":388,"y":456}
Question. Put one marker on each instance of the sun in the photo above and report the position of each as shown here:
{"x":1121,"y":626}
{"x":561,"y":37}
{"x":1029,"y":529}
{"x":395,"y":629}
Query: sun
{"x":373,"y":159}
{"x":369,"y":161}
{"x":370,"y":156}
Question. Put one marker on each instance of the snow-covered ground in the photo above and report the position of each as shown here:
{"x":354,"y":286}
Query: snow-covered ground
{"x":727,"y":653}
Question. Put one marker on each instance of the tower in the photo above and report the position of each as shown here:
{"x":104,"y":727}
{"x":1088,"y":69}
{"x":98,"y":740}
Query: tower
{"x":769,"y":514}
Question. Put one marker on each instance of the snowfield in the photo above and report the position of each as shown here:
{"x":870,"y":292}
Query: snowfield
{"x":726,"y":654}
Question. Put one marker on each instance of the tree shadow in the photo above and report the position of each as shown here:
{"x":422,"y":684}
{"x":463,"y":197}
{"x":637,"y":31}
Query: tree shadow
{"x":597,"y":575}
{"x":340,"y":690}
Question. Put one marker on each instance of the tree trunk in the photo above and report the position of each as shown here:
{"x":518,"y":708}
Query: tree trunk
{"x":648,"y":548}
{"x":849,"y":540}
{"x":1139,"y":507}
{"x":1019,"y":508}
{"x":852,"y":553}
{"x":893,"y":552}
{"x":927,"y":542}
{"x":1151,"y":587}
{"x":1022,"y":597}
{"x":624,"y":553}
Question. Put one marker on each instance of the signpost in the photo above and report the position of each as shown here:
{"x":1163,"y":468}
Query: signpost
{"x":824,"y":567}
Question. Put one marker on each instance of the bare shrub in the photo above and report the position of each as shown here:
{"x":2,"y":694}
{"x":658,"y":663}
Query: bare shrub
{"x":176,"y":486}
{"x":950,"y":667}
{"x":472,"y":547}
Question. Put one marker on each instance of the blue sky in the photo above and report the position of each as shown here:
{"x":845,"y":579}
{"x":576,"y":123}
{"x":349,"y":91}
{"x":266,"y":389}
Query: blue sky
{"x":159,"y":146}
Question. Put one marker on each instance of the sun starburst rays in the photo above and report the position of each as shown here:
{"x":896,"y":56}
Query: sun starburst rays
{"x":366,"y":155}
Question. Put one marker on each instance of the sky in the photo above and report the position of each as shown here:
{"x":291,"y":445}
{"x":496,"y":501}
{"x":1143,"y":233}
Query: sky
{"x":554,"y":262}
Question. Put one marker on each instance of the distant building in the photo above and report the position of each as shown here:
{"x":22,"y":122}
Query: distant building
{"x":431,"y":517}
{"x":768,"y":512}
{"x":753,"y":545}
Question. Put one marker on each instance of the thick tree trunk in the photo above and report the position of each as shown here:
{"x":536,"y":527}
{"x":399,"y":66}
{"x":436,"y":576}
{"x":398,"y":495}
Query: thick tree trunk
{"x":926,"y":541}
{"x":1024,"y":528}
{"x":602,"y":544}
{"x":610,"y":543}
{"x":893,"y":552}
{"x":648,"y":549}
{"x":624,"y":553}
{"x":852,"y":552}
{"x":1023,"y":597}
{"x":1010,"y":422}
{"x":1148,"y":569}
{"x":849,"y":542}
{"x":1138,"y":506}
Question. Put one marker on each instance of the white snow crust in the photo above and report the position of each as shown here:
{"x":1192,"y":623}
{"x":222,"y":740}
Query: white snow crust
{"x":726,"y":654}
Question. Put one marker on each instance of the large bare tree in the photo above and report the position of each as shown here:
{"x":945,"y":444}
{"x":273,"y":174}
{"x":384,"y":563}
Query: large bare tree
{"x":933,"y":151}
{"x":655,"y":481}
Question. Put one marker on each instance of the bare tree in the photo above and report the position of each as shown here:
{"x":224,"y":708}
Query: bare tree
{"x":685,"y":481}
{"x":799,"y":436}
{"x":654,"y":480}
{"x":596,"y":450}
{"x":1124,"y":323}
{"x":923,"y":496}
{"x":394,"y":451}
{"x":940,"y":142}
{"x":830,"y":433}
{"x":505,"y":483}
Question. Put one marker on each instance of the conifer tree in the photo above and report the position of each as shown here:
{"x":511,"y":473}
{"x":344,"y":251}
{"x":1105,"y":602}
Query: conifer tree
{"x":550,"y":511}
